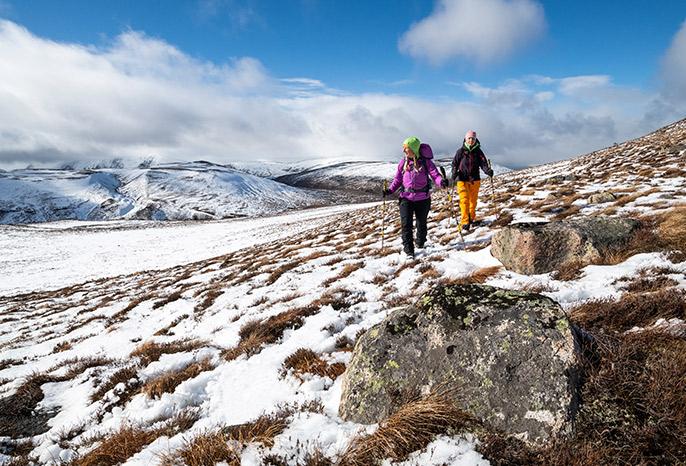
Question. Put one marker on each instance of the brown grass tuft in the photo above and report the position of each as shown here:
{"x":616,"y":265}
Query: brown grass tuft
{"x":568,"y":271}
{"x":62,"y":346}
{"x":477,"y":276}
{"x":151,"y":351}
{"x":306,"y":361}
{"x":255,"y":334}
{"x":118,"y":447}
{"x":631,"y":310}
{"x":169,"y":299}
{"x":635,"y":404}
{"x":121,"y":376}
{"x":167,"y":382}
{"x":346,"y":271}
{"x":283,"y":268}
{"x":648,"y":284}
{"x":624,"y":200}
{"x":409,"y":429}
{"x":227,"y":443}
{"x":503,"y":220}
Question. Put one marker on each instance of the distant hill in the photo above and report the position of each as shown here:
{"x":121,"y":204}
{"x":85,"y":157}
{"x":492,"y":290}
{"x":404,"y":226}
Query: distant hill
{"x":184,"y":191}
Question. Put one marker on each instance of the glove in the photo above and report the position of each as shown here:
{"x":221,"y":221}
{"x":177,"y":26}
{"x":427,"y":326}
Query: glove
{"x":490,"y":173}
{"x":386,"y":192}
{"x":444,"y":183}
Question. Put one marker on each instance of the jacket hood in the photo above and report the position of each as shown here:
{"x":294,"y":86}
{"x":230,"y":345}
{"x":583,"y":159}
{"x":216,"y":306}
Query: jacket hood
{"x":413,"y":143}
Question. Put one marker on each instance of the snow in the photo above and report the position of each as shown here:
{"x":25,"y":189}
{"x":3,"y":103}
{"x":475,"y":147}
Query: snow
{"x":140,"y":263}
{"x":52,"y":255}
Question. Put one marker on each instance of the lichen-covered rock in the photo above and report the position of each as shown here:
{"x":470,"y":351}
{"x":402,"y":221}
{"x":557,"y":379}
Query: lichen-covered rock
{"x":507,"y":356}
{"x":601,"y":197}
{"x":534,"y":248}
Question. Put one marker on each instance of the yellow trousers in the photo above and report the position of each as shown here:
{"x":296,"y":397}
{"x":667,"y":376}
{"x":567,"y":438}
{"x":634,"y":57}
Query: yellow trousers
{"x":469,"y":194}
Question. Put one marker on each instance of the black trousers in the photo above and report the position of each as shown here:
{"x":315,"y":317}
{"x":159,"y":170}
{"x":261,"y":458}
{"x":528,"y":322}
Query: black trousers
{"x":420,"y":210}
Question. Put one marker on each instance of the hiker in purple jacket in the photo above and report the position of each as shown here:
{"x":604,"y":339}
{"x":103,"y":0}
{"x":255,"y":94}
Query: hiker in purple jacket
{"x":413,"y":178}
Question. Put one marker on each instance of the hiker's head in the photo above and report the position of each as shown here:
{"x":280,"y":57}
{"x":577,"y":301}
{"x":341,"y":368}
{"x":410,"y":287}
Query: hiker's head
{"x":411,"y":146}
{"x":470,"y":137}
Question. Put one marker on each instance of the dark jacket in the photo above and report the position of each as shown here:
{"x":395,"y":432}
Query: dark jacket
{"x":467,"y":162}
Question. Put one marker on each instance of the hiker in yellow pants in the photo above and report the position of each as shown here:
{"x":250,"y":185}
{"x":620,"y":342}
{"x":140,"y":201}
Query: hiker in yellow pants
{"x":468,"y":159}
{"x":469,"y":195}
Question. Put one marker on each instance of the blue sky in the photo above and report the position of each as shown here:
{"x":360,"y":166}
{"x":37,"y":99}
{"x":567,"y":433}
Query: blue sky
{"x":225,"y":80}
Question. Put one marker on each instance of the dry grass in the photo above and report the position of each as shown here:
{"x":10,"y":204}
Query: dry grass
{"x":174,"y":323}
{"x":568,"y":271}
{"x":226,"y":444}
{"x":503,"y":219}
{"x":167,"y":382}
{"x":276,"y":274}
{"x":624,"y":200}
{"x":209,"y":299}
{"x":648,"y":284}
{"x":62,"y":346}
{"x":343,"y":343}
{"x":672,"y":230}
{"x":409,"y":429}
{"x":338,"y":298}
{"x":121,"y":315}
{"x":169,"y":299}
{"x":255,"y":334}
{"x":122,"y":376}
{"x":151,"y":351}
{"x":118,"y":447}
{"x":477,"y":276}
{"x":122,"y":444}
{"x":567,"y":211}
{"x":306,"y":361}
{"x":630,"y":310}
{"x":334,"y":260}
{"x":635,"y":404}
{"x":346,"y":271}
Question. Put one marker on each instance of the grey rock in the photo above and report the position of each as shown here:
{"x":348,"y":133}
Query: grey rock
{"x":535,"y":248}
{"x":602,"y":197}
{"x":507,"y":356}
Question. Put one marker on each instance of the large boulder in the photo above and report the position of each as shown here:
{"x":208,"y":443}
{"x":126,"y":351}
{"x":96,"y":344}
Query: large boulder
{"x":533,"y":248}
{"x":507,"y":357}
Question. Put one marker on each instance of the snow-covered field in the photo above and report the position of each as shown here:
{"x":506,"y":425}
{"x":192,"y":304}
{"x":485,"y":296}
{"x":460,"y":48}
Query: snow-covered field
{"x":59,"y":254}
{"x":193,"y":291}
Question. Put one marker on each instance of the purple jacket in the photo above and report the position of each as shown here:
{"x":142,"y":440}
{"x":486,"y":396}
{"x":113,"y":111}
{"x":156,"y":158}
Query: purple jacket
{"x":414,"y":182}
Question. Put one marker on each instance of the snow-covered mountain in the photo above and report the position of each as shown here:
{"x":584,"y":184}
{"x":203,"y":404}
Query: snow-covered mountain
{"x":184,"y":191}
{"x":181,"y":191}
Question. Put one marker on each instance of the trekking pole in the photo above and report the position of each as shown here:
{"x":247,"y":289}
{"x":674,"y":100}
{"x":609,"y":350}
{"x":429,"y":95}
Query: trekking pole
{"x":383,"y":213}
{"x":492,"y":188}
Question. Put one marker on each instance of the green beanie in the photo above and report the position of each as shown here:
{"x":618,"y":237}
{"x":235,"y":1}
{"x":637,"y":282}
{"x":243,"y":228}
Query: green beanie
{"x":413,"y":143}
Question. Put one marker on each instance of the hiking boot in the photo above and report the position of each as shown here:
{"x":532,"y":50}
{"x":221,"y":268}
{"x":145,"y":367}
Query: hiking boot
{"x":465,"y":228}
{"x":408,"y":253}
{"x":420,"y":245}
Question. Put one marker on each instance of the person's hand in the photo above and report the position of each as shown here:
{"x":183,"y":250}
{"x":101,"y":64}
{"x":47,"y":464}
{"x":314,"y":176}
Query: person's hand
{"x":386,"y":192}
{"x":490,"y":173}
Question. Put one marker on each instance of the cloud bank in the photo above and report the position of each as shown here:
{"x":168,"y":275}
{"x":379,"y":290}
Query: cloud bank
{"x":140,"y":96}
{"x":481,"y":31}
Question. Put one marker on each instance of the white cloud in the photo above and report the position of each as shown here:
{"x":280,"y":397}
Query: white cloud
{"x":141,"y":96}
{"x":580,"y":84}
{"x":674,"y":66}
{"x":480,"y":30}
